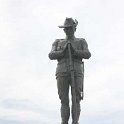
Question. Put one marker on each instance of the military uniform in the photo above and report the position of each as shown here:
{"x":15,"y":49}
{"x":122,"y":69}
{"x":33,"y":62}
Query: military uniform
{"x":63,"y":73}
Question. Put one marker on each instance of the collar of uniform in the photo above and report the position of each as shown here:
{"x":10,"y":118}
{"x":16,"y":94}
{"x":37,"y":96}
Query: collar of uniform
{"x":70,"y":39}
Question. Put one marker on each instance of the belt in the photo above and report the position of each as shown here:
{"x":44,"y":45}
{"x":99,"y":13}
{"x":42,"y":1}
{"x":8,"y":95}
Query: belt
{"x":67,"y":60}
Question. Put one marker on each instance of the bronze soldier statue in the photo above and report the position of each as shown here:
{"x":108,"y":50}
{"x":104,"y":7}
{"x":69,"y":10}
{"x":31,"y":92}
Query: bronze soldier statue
{"x":69,"y":53}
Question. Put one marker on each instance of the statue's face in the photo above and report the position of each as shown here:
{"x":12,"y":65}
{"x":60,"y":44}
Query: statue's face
{"x":69,"y":31}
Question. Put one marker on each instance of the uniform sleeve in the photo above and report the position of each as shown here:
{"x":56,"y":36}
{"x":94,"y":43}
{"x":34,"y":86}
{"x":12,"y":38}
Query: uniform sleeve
{"x":54,"y":54}
{"x":84,"y":52}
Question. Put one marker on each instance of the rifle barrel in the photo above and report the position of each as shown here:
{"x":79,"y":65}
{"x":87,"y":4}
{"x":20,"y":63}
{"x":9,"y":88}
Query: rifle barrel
{"x":72,"y":82}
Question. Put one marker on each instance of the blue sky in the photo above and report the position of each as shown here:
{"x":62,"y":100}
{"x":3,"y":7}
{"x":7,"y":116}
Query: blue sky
{"x":28,"y":92}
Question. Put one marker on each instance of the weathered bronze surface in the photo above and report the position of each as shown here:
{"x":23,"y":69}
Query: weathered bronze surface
{"x":69,"y":53}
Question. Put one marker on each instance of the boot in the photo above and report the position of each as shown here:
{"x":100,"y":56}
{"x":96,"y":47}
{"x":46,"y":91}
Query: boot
{"x":75,"y":119}
{"x":65,"y":113}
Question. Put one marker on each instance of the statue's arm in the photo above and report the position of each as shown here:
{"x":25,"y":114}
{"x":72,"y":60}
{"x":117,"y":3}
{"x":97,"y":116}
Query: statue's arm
{"x":54,"y":54}
{"x":84,"y":52}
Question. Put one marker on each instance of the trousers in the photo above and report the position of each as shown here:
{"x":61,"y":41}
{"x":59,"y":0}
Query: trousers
{"x":63,"y":85}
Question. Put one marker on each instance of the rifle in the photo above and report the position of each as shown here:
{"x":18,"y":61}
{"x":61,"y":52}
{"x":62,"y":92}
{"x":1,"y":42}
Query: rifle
{"x":72,"y":81}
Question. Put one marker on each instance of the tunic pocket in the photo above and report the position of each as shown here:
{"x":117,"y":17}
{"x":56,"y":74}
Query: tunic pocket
{"x":61,"y":67}
{"x":78,"y":67}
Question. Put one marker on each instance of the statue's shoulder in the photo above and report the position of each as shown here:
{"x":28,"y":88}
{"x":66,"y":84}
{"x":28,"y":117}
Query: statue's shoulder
{"x":58,"y":41}
{"x":80,"y":40}
{"x":61,"y":40}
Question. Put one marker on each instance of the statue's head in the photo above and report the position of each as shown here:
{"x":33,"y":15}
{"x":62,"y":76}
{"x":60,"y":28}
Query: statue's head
{"x":69,"y":22}
{"x":69,"y":26}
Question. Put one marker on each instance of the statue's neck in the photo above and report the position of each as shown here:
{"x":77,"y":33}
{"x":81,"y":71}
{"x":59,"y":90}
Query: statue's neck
{"x":70,"y":37}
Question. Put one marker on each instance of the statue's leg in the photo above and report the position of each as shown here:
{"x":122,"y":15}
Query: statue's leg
{"x":63,"y":91}
{"x":78,"y":85}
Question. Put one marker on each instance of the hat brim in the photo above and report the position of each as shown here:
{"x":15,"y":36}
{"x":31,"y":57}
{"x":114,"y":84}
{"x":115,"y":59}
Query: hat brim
{"x":65,"y":26}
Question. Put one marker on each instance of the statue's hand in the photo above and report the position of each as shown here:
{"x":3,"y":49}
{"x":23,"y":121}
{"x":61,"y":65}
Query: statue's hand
{"x":65,"y":47}
{"x":73,"y":48}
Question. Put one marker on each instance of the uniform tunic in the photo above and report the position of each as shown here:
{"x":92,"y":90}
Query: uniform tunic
{"x":63,"y":67}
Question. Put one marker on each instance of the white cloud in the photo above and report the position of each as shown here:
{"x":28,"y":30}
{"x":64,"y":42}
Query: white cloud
{"x":11,"y":114}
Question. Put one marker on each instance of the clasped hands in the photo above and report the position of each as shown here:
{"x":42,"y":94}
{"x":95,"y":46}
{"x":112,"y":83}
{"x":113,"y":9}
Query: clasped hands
{"x":74,"y":51}
{"x":71,"y":46}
